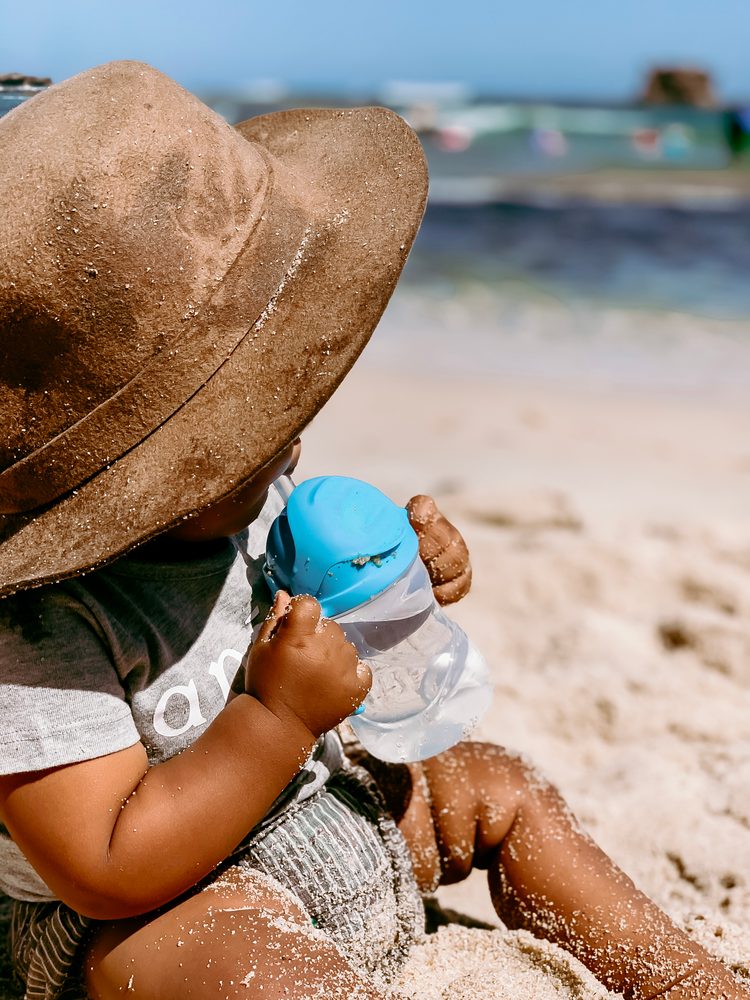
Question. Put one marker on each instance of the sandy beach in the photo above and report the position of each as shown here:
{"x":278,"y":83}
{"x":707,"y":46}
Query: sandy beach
{"x":611,"y":552}
{"x":601,"y":476}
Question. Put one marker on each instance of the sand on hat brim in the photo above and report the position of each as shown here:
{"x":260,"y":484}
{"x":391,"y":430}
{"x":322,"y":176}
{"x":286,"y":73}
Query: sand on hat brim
{"x":369,"y":170}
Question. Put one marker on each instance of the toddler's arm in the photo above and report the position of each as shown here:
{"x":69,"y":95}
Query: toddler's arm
{"x":442,"y":550}
{"x":113,"y":837}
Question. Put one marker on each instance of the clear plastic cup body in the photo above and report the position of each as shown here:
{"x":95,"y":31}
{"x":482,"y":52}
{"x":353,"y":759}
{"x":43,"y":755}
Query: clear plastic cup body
{"x":430,"y":685}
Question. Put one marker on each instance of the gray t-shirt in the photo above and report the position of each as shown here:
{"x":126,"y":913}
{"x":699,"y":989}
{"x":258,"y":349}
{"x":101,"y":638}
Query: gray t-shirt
{"x":137,"y":651}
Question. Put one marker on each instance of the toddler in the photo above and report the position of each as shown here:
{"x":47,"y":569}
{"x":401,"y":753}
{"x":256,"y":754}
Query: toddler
{"x":177,"y":300}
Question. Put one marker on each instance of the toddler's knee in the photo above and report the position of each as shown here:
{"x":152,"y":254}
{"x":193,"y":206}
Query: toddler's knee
{"x":477,"y":791}
{"x":521,"y":775}
{"x":486,"y":771}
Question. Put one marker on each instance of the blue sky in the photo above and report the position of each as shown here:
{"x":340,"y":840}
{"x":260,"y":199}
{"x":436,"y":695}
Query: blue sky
{"x":556,"y":48}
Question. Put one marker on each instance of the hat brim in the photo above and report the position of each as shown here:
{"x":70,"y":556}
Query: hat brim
{"x":369,"y":172}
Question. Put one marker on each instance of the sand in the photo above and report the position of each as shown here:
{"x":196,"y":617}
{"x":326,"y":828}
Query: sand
{"x":469,"y":963}
{"x":603,"y":486}
{"x":611,"y":551}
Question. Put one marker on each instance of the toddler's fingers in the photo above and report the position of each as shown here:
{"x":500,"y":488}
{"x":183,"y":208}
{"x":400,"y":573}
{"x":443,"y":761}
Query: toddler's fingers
{"x":302,"y":616}
{"x":449,"y":561}
{"x":453,"y":590}
{"x":364,"y":682}
{"x":434,"y":531}
{"x":421,"y":511}
{"x":335,"y":633}
{"x":344,"y":652}
{"x":278,"y":609}
{"x":443,"y":548}
{"x":444,"y":553}
{"x":347,"y":657}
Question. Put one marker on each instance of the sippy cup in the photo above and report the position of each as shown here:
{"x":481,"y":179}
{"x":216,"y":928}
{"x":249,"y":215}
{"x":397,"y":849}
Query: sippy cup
{"x":347,"y":544}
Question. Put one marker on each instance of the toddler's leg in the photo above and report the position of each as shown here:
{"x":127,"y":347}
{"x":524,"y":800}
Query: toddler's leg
{"x":477,"y":806}
{"x":241,"y":937}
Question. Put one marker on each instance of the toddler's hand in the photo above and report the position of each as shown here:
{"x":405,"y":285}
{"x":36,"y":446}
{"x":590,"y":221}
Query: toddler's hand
{"x":442,"y":550}
{"x":302,"y":663}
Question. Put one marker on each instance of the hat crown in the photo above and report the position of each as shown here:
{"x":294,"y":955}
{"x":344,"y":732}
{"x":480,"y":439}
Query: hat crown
{"x":130,"y":204}
{"x":164,"y":341}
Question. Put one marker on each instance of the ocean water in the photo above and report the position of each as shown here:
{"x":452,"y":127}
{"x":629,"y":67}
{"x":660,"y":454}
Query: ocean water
{"x":611,"y":295}
{"x":636,"y":256}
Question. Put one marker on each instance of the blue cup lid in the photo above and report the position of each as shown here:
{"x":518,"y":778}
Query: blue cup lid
{"x":341,"y":540}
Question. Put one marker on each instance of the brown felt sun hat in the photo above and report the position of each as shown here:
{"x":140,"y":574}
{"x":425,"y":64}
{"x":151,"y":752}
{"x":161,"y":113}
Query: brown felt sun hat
{"x":178,"y":298}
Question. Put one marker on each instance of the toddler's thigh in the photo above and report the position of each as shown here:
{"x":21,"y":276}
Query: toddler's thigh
{"x":243,"y":934}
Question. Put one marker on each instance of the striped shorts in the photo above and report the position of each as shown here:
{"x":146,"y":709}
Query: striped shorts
{"x":339,"y":852}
